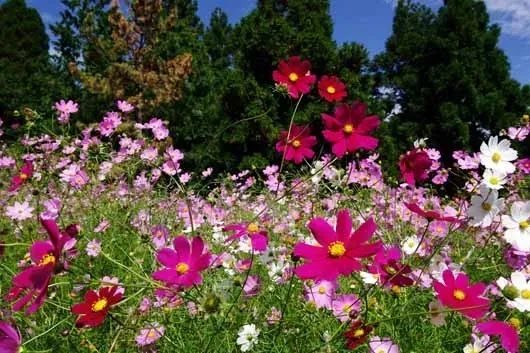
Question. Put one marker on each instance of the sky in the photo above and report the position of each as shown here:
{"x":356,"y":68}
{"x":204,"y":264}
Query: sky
{"x":369,"y":22}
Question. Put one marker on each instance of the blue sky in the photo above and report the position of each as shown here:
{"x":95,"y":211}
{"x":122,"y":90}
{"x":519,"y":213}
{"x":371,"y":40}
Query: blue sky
{"x":370,"y":22}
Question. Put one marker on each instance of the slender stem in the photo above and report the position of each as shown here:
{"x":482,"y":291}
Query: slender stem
{"x":47,"y":331}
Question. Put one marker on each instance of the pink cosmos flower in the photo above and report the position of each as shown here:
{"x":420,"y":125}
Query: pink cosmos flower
{"x":508,"y":334}
{"x":389,"y":269}
{"x":298,"y":145}
{"x":524,"y":165}
{"x":125,"y":107}
{"x":159,"y":235}
{"x":338,"y":250}
{"x":252,"y":286}
{"x":384,"y":345}
{"x":25,"y":173}
{"x":459,"y":295}
{"x":150,"y":334}
{"x":93,"y":248}
{"x":258,"y":238}
{"x":344,"y":305}
{"x":10,"y":339}
{"x":32,"y":283}
{"x":349,"y":129}
{"x":321,"y":293}
{"x":184,"y":264}
{"x":414,"y":166}
{"x":65,"y":109}
{"x":295,"y":76}
{"x":19,"y":211}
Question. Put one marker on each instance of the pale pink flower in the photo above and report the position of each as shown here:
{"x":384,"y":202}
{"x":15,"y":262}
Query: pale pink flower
{"x":19,"y":211}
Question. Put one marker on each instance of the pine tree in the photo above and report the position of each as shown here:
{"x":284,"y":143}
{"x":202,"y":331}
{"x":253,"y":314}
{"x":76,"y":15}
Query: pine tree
{"x":449,"y":76}
{"x":25,"y":71}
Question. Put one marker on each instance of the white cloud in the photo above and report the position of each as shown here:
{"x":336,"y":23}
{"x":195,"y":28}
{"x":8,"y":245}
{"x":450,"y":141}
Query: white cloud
{"x":512,"y":15}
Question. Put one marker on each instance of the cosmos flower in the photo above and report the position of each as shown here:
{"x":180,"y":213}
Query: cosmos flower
{"x":184,"y":264}
{"x":18,"y":180}
{"x":258,"y":237}
{"x":339,"y":250}
{"x":484,"y":207}
{"x":247,"y":337}
{"x":497,"y":155}
{"x":10,"y":338}
{"x":295,"y":76}
{"x":414,"y":166}
{"x":94,"y":309}
{"x":331,"y":88}
{"x":349,"y":129}
{"x":299,"y":144}
{"x":508,"y":334}
{"x":517,"y":226}
{"x":459,"y":295}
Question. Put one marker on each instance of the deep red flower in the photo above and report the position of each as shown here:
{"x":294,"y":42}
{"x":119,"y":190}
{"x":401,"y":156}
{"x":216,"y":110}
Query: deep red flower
{"x":430,"y":215}
{"x":31,"y":285}
{"x":414,"y":166}
{"x":96,"y":306}
{"x":357,"y":334}
{"x":339,"y":250}
{"x":295,"y":75}
{"x":458,"y":294}
{"x":391,"y":272}
{"x":331,"y":88}
{"x":25,"y":173}
{"x":508,"y":334}
{"x":349,"y":129}
{"x":296,"y":144}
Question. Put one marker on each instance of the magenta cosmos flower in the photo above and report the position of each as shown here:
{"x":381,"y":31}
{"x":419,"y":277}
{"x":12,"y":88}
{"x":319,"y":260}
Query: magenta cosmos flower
{"x":429,"y":215}
{"x":458,"y":294}
{"x":94,"y":309}
{"x":296,"y":144}
{"x":258,"y":237}
{"x":389,"y":269}
{"x":31,"y":285}
{"x":508,"y":334}
{"x":25,"y":173}
{"x":339,"y":250}
{"x":331,"y":88}
{"x":10,"y":338}
{"x":414,"y":166}
{"x":295,"y":75}
{"x":184,"y":264}
{"x":349,"y":129}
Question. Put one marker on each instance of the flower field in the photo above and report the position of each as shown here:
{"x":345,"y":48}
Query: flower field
{"x":108,"y":244}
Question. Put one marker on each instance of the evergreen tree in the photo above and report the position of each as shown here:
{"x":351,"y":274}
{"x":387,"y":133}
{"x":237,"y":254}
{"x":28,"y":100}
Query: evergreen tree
{"x":25,"y":71}
{"x":449,"y":76}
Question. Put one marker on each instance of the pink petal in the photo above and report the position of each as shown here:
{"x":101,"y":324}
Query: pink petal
{"x":322,"y":231}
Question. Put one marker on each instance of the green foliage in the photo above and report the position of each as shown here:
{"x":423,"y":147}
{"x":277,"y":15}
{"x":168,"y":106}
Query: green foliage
{"x":449,"y":76}
{"x":26,"y":77}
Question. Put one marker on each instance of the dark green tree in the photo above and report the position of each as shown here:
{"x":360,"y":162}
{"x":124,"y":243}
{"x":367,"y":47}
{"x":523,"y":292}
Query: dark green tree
{"x":449,"y":76}
{"x":25,"y":71}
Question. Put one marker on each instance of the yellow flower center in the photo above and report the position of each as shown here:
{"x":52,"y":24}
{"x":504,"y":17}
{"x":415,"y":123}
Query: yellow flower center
{"x":331,"y":89}
{"x":182,"y":268}
{"x":523,"y":225}
{"x":252,"y":228}
{"x":346,"y":308}
{"x":358,"y":333}
{"x":486,"y":206}
{"x":348,"y":128}
{"x":151,"y":334}
{"x":23,"y":176}
{"x":296,"y":143}
{"x":496,"y":157}
{"x":293,"y":77}
{"x":525,"y":294}
{"x":336,"y":249}
{"x":390,"y":270}
{"x":515,"y":322}
{"x":322,"y":290}
{"x":494,"y":181}
{"x":47,"y":259}
{"x":159,"y":234}
{"x":100,"y":305}
{"x":525,"y":119}
{"x":459,"y":295}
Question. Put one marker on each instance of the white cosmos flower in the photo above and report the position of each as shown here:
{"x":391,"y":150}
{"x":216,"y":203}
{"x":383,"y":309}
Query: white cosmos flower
{"x":498,"y":155}
{"x":517,"y":226}
{"x":369,"y":278}
{"x":522,"y":302}
{"x":484,"y":207}
{"x":410,"y":245}
{"x":247,"y":337}
{"x":494,"y":179}
{"x":476,"y":347}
